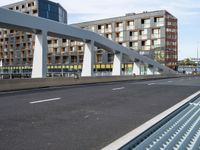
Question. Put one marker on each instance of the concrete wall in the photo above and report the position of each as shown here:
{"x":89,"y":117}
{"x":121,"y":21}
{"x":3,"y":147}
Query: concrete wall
{"x":21,"y":84}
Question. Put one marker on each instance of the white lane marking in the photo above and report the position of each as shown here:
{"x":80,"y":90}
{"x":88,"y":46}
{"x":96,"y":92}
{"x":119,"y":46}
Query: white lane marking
{"x":45,"y":100}
{"x":169,"y":81}
{"x":151,"y":83}
{"x":120,"y":88}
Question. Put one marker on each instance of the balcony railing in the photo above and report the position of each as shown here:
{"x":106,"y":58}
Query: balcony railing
{"x":147,"y":25}
{"x":131,"y":27}
{"x":119,"y":39}
{"x":155,"y":46}
{"x":147,"y":47}
{"x":133,"y":38}
{"x":101,"y":31}
{"x":159,"y":24}
{"x":155,"y":35}
{"x":108,"y":30}
{"x":134,"y":47}
{"x":117,"y":29}
{"x":143,"y":37}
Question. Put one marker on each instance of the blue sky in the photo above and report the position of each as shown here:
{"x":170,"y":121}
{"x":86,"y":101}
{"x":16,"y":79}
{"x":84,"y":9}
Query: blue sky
{"x":187,"y":12}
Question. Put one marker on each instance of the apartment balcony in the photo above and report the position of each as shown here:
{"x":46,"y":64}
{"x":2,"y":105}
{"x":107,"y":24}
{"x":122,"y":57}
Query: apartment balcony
{"x":79,"y":43}
{"x":134,"y":47}
{"x":73,"y":44}
{"x":133,"y":38}
{"x":154,"y":36}
{"x":101,"y":31}
{"x":73,"y":53}
{"x":57,"y":53}
{"x":117,"y":29}
{"x":147,"y":25}
{"x":145,"y":48}
{"x":130,"y":27}
{"x":119,"y":39}
{"x":108,"y":30}
{"x":143,"y":37}
{"x":155,"y":46}
{"x":159,"y":24}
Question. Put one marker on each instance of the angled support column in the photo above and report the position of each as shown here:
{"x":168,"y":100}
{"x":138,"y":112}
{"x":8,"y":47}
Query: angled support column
{"x":117,"y":64}
{"x":136,"y":68}
{"x":39,"y":69}
{"x":88,"y":60}
{"x":150,"y":70}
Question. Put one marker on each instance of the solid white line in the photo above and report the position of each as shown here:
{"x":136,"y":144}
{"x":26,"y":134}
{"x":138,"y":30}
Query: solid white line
{"x":120,"y":88}
{"x":151,"y":83}
{"x":45,"y":100}
{"x":139,"y":130}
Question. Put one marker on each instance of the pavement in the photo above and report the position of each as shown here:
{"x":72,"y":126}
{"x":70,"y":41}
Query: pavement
{"x":86,"y":117}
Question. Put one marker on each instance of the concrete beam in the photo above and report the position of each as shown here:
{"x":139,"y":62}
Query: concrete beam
{"x":40,"y":56}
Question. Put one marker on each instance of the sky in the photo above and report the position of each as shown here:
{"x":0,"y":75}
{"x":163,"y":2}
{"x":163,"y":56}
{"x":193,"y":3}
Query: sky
{"x":186,"y":11}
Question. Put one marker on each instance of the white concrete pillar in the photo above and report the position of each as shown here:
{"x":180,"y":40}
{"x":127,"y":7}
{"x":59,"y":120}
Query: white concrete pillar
{"x":88,"y":60}
{"x":136,"y":68}
{"x":1,"y":63}
{"x":117,"y":65}
{"x":150,"y":70}
{"x":39,"y":69}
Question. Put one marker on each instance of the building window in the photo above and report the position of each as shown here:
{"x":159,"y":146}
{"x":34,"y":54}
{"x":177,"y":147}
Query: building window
{"x":130,"y":44}
{"x":159,"y":21}
{"x":80,"y":58}
{"x":110,"y":58}
{"x":130,"y":33}
{"x":34,"y":11}
{"x":99,"y":27}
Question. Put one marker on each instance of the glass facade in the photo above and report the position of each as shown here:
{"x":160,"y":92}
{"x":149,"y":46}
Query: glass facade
{"x":51,"y":10}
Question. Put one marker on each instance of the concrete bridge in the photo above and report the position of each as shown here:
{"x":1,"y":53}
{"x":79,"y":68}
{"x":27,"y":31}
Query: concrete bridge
{"x":44,"y":27}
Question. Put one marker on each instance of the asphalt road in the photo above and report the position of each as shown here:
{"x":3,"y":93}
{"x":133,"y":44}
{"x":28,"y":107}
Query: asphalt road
{"x":85,"y":117}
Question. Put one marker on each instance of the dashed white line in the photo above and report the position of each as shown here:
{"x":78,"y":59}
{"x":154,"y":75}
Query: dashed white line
{"x":151,"y":83}
{"x":45,"y":100}
{"x":169,"y":81}
{"x":120,"y":88}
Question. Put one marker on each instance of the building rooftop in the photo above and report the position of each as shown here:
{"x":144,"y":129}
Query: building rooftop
{"x":128,"y":16}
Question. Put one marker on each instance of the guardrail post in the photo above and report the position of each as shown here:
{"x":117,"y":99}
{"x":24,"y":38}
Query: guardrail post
{"x":88,"y":59}
{"x":40,"y":56}
{"x":117,"y":64}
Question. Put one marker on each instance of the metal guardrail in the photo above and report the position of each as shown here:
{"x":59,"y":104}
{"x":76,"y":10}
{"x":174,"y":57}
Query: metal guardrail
{"x":180,"y":130}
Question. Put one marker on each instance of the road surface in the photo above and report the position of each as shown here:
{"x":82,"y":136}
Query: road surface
{"x":86,"y":117}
